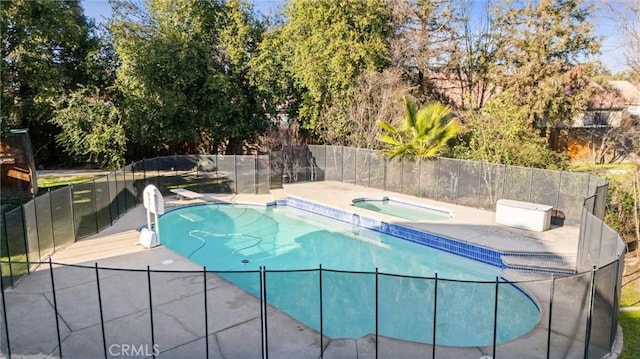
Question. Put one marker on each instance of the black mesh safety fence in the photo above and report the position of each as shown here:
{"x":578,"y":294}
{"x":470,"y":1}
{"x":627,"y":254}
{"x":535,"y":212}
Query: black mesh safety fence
{"x":14,"y":245}
{"x":517,"y":183}
{"x":226,"y":174}
{"x":600,"y":203}
{"x":84,"y":209}
{"x":573,"y":190}
{"x":393,"y":177}
{"x":44,"y":224}
{"x":114,"y":208}
{"x":448,"y":176}
{"x":31,"y":231}
{"x":62,"y":209}
{"x":263,"y":176}
{"x":411,"y":178}
{"x":603,"y":311}
{"x":545,"y":187}
{"x":571,"y":303}
{"x":363,"y":167}
{"x":311,"y":312}
{"x":246,"y":174}
{"x":429,"y":171}
{"x":334,"y":163}
{"x":469,"y":184}
{"x":131,"y":191}
{"x":349,"y":165}
{"x":492,"y":182}
{"x":121,"y":191}
{"x":581,"y":308}
{"x":103,"y":202}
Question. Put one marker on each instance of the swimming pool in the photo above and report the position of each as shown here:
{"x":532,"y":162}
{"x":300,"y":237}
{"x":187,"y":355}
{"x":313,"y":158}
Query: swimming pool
{"x":410,"y":211}
{"x":283,"y":239}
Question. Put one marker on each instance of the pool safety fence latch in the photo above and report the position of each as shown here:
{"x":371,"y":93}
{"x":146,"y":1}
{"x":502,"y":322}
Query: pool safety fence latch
{"x":153,"y":203}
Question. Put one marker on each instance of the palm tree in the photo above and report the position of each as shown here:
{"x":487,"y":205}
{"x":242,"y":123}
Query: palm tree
{"x":422,"y":135}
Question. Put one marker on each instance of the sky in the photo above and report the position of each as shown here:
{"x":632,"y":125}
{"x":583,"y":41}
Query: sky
{"x":605,"y":26}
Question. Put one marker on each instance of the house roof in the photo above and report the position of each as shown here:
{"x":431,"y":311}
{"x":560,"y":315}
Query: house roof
{"x":628,"y":91}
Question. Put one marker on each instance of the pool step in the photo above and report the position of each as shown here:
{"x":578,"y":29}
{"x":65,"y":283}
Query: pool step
{"x":541,"y":263}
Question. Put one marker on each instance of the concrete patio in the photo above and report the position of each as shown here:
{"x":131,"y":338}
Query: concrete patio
{"x":234,"y":316}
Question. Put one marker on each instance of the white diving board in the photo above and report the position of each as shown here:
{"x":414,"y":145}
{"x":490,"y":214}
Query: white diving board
{"x":185,"y":193}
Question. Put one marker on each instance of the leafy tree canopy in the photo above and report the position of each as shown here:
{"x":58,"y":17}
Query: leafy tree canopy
{"x":324,"y":45}
{"x":45,"y":54}
{"x":91,"y":126}
{"x":183,"y":72}
{"x":501,"y":133}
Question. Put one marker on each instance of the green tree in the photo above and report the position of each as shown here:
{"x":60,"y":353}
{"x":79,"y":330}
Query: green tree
{"x":91,"y":126}
{"x":45,"y":45}
{"x":423,"y":133}
{"x":323,"y":46}
{"x":543,"y":46}
{"x":502,"y":133}
{"x":183,"y":73}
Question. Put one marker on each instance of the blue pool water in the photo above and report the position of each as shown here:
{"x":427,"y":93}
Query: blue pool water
{"x":403,"y":210}
{"x":241,"y":238}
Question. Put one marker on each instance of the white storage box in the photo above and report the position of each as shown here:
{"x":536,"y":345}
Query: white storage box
{"x":525,"y":215}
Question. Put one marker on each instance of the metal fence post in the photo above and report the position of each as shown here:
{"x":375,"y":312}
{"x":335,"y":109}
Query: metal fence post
{"x":4,"y":310}
{"x":6,"y":239}
{"x":104,"y":338}
{"x":342,"y":163}
{"x":530,"y":186}
{"x":557,"y":206}
{"x":495,"y":317}
{"x":255,"y":174}
{"x":384,"y":173}
{"x":53,"y":234}
{"x":479,"y":184}
{"x":321,"y":316}
{"x":262,"y":327}
{"x":438,"y":160}
{"x":235,"y":172}
{"x":206,"y":313}
{"x":266,"y":327}
{"x":35,"y":212}
{"x":420,"y":178}
{"x":455,"y":183}
{"x":401,"y":176}
{"x":95,"y":204}
{"x":377,"y":311}
{"x":587,"y":335}
{"x":153,"y":339}
{"x":55,"y":308}
{"x":616,"y":305}
{"x":553,"y":287}
{"x":435,"y":313}
{"x":73,"y":213}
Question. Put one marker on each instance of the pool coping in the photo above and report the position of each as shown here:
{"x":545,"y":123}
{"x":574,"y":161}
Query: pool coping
{"x":450,"y":245}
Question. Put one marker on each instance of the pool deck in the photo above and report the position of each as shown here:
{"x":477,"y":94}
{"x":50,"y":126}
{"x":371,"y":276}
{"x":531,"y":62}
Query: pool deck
{"x":31,"y":318}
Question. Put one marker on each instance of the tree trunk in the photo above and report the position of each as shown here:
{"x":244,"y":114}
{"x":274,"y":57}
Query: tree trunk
{"x":636,"y":211}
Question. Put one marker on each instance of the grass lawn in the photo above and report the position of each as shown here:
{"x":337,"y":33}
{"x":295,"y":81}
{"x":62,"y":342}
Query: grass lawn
{"x":57,"y":181}
{"x":630,"y":297}
{"x":630,"y":322}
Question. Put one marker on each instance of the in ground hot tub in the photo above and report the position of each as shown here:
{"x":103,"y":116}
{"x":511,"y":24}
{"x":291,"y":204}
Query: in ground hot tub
{"x":405,"y":210}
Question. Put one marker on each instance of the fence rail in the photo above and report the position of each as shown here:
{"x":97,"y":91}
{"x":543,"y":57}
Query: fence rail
{"x":59,"y":217}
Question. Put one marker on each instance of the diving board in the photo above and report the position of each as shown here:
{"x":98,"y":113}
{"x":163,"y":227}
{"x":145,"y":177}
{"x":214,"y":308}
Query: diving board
{"x":185,"y":193}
